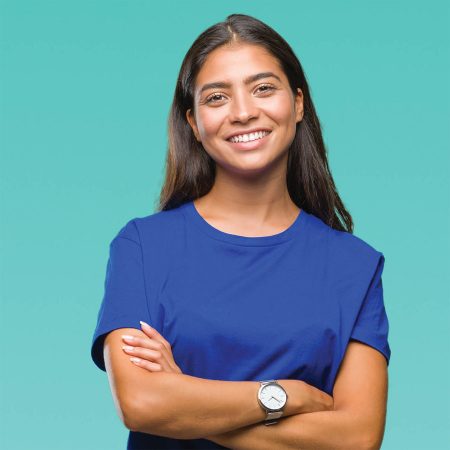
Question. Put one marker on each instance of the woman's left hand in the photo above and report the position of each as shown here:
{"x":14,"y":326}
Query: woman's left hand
{"x":152,"y":352}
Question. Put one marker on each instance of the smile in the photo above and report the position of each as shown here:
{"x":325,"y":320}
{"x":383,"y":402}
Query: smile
{"x":249,"y":137}
{"x":250,"y":141}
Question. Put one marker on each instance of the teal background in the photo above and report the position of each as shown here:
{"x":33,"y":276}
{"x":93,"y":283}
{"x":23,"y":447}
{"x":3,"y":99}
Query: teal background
{"x":85,"y":92}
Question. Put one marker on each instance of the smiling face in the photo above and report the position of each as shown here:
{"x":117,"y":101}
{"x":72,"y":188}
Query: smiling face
{"x":245,"y":111}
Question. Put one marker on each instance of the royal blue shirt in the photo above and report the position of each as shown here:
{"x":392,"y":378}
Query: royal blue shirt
{"x":241,"y":308}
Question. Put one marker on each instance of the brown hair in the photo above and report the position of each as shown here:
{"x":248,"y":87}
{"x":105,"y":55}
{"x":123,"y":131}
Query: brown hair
{"x":190,"y":171}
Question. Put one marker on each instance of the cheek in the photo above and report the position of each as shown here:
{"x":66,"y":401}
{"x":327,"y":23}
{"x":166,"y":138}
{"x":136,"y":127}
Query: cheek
{"x":208,"y":122}
{"x":281,"y":110}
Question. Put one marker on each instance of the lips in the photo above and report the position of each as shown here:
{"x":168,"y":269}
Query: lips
{"x":253,"y":130}
{"x":255,"y":141}
{"x":249,"y":137}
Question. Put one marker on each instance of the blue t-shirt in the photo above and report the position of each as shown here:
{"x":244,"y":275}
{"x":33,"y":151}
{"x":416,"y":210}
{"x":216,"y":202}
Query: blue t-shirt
{"x":241,"y":308}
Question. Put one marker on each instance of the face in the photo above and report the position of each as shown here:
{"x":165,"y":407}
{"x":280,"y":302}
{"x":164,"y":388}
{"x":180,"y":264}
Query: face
{"x":245,"y":113}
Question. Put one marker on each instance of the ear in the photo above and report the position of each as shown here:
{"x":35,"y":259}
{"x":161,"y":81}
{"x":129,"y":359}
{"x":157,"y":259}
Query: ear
{"x":191,"y":120}
{"x":299,"y":105}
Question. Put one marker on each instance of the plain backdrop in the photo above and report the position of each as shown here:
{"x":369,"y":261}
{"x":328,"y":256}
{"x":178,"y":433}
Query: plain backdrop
{"x":85,"y":92}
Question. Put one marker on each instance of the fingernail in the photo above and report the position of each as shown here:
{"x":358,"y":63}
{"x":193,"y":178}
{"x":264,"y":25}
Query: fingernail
{"x":145,"y":323}
{"x":127,"y":337}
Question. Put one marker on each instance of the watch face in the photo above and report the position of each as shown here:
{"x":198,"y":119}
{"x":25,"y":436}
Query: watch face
{"x":273,"y":396}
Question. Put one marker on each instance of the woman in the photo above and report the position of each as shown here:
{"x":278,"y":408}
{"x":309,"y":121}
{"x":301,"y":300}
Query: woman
{"x":265,"y":308}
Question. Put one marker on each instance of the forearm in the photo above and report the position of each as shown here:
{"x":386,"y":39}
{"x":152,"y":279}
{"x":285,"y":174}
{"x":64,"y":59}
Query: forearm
{"x":185,"y":407}
{"x":322,"y":430}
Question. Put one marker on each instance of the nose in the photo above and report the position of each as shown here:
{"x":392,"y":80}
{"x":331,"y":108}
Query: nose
{"x":242,"y":108}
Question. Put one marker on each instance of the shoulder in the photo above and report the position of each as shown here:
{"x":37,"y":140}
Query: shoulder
{"x":352,"y":249}
{"x":151,"y":227}
{"x":345,"y":250}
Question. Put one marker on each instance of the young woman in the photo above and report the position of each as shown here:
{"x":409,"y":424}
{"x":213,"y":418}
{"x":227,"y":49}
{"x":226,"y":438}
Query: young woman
{"x":246,"y":300}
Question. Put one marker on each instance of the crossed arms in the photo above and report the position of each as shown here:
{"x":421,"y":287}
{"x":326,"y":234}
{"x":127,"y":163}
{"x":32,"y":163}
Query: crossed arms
{"x":180,"y":406}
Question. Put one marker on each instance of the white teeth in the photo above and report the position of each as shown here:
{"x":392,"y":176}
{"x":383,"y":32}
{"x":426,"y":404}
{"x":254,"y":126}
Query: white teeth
{"x":249,"y":137}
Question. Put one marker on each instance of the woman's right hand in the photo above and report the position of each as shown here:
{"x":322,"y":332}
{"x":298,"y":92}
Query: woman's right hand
{"x":305,"y":398}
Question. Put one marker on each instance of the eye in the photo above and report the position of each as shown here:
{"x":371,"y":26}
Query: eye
{"x":214,"y":98}
{"x":217,"y":97}
{"x":263,"y":88}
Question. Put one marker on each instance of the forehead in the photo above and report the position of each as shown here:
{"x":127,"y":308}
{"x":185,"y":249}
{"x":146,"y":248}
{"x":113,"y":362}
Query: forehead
{"x":236,"y":62}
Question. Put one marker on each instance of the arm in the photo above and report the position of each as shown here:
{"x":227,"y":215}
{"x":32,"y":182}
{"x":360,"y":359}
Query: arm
{"x":184,"y":407}
{"x":357,"y":421}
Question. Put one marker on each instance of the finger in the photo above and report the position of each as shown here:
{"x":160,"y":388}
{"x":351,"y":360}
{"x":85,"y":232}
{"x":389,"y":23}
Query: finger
{"x":166,"y":347}
{"x":144,"y":353}
{"x":157,"y":342}
{"x":151,"y":344}
{"x":147,"y":365}
{"x":148,"y":330}
{"x":157,"y":357}
{"x":146,"y":342}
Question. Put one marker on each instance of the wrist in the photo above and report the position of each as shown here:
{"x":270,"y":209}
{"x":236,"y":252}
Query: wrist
{"x":296,"y":396}
{"x":308,"y":398}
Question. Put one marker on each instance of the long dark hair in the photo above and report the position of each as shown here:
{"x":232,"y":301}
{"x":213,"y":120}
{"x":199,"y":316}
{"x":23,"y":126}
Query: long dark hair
{"x":190,"y":171}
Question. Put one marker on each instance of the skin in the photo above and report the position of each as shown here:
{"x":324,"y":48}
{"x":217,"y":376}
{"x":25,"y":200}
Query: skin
{"x":355,"y":420}
{"x":155,"y":352}
{"x":250,"y":198}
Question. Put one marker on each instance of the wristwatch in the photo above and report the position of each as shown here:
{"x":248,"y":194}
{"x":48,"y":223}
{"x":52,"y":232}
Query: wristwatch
{"x":272,"y":397}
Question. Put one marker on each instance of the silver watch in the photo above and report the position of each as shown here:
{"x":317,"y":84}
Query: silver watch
{"x":272,"y":397}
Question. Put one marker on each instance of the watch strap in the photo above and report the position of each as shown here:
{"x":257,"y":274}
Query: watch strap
{"x":272,"y":417}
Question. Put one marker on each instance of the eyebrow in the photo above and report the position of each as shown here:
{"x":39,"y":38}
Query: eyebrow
{"x":248,"y":80}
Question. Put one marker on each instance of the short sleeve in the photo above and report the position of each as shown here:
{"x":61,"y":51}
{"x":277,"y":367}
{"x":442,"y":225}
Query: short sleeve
{"x":372,"y":325}
{"x":124,"y":301}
